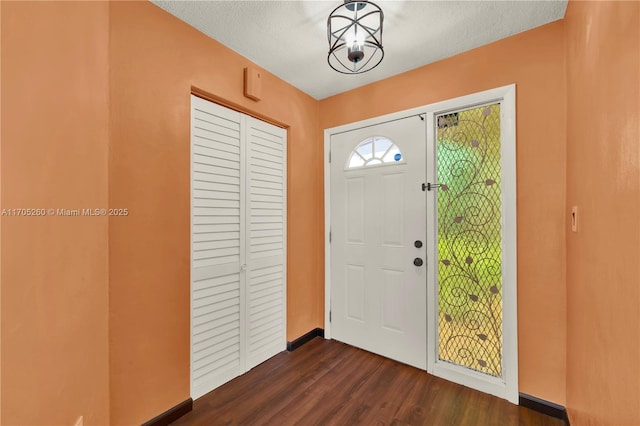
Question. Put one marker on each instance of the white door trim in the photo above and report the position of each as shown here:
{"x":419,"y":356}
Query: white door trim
{"x":507,"y":389}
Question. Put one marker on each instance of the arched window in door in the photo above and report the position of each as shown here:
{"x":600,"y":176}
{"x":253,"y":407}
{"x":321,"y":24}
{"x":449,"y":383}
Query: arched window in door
{"x":374,"y":151}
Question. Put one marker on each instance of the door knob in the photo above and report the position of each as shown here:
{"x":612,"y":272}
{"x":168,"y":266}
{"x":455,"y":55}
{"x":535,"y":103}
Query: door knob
{"x":417,"y":261}
{"x":418,"y":244}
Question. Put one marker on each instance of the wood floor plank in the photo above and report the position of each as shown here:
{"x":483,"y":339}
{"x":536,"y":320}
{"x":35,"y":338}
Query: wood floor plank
{"x":326,"y":382}
{"x":343,"y":379}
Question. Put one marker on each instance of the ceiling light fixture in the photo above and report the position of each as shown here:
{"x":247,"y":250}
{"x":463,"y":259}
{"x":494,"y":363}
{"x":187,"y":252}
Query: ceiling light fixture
{"x":354,"y":30}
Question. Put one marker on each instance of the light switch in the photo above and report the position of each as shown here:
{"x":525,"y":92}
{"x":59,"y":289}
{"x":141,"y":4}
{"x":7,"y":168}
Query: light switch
{"x":574,"y":218}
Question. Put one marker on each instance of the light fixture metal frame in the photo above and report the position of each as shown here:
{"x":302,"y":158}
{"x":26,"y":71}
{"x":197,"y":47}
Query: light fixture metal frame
{"x":373,"y":39}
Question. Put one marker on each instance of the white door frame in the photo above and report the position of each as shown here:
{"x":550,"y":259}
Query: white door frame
{"x":507,"y":388}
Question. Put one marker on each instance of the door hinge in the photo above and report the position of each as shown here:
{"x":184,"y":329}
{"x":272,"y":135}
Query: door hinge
{"x":329,"y":156}
{"x":329,"y":316}
{"x":329,"y":236}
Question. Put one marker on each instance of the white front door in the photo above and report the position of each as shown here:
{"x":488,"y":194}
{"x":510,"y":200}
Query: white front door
{"x":378,"y":233}
{"x":375,"y":211}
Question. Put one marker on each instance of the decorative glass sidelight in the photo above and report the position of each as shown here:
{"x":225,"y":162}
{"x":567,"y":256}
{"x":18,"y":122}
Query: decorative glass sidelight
{"x":470,"y":238}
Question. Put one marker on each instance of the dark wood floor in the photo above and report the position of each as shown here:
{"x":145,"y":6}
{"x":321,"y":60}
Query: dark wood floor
{"x":329,"y":383}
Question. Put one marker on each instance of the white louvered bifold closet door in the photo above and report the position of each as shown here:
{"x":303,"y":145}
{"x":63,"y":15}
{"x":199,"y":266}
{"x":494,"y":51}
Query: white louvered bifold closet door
{"x":266,"y":162}
{"x":217,"y":220}
{"x":238,"y":225}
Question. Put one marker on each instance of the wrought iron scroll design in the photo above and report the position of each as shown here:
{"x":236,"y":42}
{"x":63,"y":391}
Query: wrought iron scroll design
{"x":469,"y":240}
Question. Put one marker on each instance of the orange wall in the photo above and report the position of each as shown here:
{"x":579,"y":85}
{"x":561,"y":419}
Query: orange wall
{"x":603,"y":180}
{"x":1,"y":204}
{"x":534,"y":60}
{"x":95,"y":311}
{"x":54,"y":269}
{"x":155,"y":59}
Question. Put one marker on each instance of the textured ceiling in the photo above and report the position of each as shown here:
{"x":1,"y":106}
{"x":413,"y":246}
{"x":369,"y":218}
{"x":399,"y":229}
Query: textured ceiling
{"x":289,"y":38}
